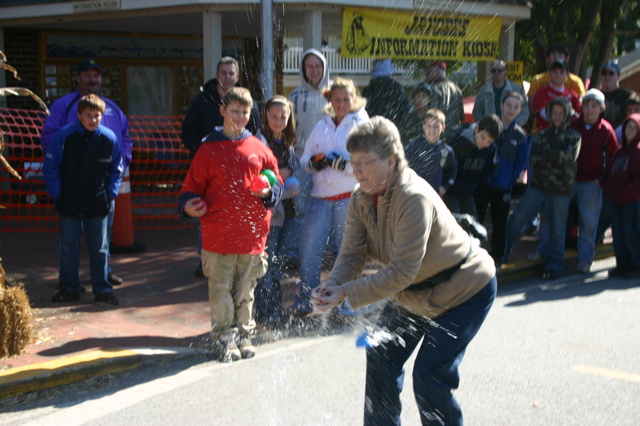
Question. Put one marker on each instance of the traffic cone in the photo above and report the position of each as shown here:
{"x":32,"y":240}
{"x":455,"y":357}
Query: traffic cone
{"x":122,"y":231}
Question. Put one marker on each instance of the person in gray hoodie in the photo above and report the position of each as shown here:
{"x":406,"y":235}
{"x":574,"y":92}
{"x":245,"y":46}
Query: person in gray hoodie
{"x":309,"y":102}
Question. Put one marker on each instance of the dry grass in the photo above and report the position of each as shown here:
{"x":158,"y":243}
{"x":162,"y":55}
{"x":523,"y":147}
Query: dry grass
{"x":16,"y":318}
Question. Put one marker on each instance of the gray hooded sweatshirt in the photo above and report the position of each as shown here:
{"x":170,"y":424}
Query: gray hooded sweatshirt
{"x":309,"y":102}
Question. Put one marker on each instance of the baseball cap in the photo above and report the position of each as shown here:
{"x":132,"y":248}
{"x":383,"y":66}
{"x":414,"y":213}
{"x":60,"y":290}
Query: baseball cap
{"x":559,"y":63}
{"x":613,"y":66}
{"x":594,"y":94}
{"x":89,"y":64}
{"x":382,"y":68}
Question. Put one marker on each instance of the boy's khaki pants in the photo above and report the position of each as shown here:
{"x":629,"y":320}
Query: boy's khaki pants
{"x":232,"y":279}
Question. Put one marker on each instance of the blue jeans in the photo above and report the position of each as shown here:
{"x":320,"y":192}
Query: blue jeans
{"x":604,"y":221}
{"x":589,"y":198}
{"x":553,"y":208}
{"x":95,"y":231}
{"x":435,"y":372}
{"x":625,"y":226}
{"x":268,"y":294}
{"x":322,"y":219}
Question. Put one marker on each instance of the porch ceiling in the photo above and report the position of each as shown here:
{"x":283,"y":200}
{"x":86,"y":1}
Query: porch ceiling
{"x":241,"y":23}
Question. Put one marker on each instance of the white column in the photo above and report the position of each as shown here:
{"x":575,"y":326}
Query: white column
{"x":211,"y":42}
{"x":507,"y":41}
{"x":3,"y":79}
{"x":312,"y":29}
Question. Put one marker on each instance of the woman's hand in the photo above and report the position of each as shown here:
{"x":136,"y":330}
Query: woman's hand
{"x":327,"y":296}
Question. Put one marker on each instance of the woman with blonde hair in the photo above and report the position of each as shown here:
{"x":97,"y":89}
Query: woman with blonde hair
{"x":327,"y":159}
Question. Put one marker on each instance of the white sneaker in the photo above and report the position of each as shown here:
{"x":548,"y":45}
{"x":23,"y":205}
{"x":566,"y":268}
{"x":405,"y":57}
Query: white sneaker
{"x":583,"y":267}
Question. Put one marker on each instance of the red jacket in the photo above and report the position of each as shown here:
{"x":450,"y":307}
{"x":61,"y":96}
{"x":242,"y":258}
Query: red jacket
{"x":236,"y":221}
{"x":622,"y":186}
{"x":599,"y":139}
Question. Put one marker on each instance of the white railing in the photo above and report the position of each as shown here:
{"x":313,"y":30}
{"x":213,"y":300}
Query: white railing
{"x":336,"y":63}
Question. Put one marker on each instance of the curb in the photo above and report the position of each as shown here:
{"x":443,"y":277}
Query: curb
{"x":527,"y":268}
{"x":83,"y":366}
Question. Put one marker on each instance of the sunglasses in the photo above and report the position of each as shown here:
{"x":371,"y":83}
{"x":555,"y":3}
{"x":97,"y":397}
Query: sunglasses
{"x":497,"y":71}
{"x":607,"y":72}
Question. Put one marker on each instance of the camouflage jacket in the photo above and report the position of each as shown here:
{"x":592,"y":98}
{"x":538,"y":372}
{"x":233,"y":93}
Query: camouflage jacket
{"x":554,"y":153}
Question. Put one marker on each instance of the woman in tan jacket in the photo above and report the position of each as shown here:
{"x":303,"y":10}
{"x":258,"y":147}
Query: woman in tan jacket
{"x":441,"y":285}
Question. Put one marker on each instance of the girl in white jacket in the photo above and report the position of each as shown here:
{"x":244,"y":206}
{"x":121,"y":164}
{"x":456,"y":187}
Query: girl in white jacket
{"x":326,"y":158}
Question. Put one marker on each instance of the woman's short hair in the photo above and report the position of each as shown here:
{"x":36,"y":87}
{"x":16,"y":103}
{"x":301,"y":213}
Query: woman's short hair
{"x":357,"y":101}
{"x":380,"y":137}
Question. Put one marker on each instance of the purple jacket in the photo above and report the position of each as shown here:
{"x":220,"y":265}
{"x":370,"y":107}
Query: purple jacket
{"x":65,"y":111}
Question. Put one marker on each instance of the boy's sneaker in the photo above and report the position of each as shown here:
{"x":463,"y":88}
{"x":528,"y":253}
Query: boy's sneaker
{"x":225,"y":349}
{"x":583,"y":267}
{"x":114,"y":279}
{"x":247,"y":350}
{"x":534,"y":257}
{"x":107,"y":298}
{"x":550,"y":275}
{"x":65,"y":296}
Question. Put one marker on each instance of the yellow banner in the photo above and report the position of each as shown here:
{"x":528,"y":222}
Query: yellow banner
{"x":515,"y":71}
{"x":368,"y":33}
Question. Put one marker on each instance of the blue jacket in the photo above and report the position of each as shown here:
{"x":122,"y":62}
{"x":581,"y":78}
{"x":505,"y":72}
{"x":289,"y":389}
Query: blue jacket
{"x":65,"y":111}
{"x":475,"y":166}
{"x":513,"y":147}
{"x":82,"y":170}
{"x":434,"y":163}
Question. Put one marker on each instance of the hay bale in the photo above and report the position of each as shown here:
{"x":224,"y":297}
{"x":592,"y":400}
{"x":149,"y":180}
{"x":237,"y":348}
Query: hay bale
{"x":16,"y":319}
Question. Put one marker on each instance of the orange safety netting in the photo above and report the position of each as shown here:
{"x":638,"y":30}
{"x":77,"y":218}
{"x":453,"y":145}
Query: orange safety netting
{"x":158,"y":167}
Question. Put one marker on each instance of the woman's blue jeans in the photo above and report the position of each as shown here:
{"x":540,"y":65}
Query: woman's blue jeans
{"x":322,"y":219}
{"x":435,"y":372}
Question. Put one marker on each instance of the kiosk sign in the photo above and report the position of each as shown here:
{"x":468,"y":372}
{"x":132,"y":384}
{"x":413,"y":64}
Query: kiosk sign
{"x":370,"y":33}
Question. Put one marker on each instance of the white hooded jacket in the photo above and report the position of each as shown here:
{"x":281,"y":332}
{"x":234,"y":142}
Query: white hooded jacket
{"x":309,"y":101}
{"x":325,"y":138}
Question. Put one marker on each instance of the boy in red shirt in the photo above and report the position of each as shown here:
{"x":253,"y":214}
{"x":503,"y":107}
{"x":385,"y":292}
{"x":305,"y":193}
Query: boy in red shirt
{"x":598,"y":146}
{"x":235,"y":222}
{"x":559,"y":71}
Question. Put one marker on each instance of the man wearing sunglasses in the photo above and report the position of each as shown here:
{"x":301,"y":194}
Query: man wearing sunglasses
{"x":489,"y":97}
{"x":615,"y":96}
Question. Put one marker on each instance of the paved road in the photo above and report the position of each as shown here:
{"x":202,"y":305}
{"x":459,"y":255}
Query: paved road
{"x":559,"y":353}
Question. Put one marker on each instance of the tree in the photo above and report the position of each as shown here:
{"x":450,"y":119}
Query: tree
{"x":578,"y":24}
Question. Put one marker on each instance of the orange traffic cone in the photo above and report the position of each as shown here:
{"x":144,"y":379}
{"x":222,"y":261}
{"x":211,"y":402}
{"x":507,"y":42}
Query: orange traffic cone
{"x":122,"y":231}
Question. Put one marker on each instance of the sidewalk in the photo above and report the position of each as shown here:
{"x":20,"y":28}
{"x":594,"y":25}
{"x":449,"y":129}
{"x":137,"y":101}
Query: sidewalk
{"x":164,"y":311}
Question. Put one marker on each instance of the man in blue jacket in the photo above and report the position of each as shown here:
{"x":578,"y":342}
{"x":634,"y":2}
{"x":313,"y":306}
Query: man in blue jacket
{"x":82,"y":172}
{"x":65,"y":111}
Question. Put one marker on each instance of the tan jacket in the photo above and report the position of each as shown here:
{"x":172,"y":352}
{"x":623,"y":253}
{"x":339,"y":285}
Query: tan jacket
{"x":412,"y":237}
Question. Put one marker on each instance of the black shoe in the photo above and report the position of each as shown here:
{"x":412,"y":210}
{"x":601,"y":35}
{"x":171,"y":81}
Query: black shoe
{"x":114,"y":279}
{"x":108,"y":298}
{"x":618,"y":272}
{"x":550,"y":275}
{"x":199,"y":272}
{"x":632,"y":274}
{"x":65,"y":296}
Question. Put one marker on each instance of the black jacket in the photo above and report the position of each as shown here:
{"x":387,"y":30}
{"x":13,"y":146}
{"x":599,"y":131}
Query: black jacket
{"x":204,"y":115}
